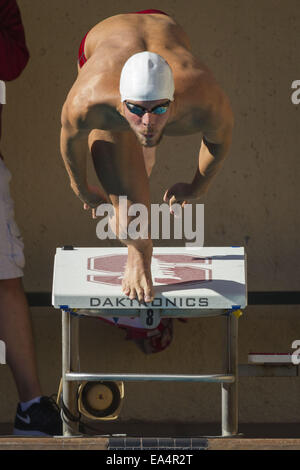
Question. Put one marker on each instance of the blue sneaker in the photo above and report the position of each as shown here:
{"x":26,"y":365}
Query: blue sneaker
{"x":40,"y":419}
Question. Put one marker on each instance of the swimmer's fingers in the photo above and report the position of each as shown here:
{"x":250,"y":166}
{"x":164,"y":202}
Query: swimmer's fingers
{"x":171,"y":197}
{"x":181,"y":191}
{"x":173,"y":200}
{"x":167,"y":195}
{"x":87,"y":207}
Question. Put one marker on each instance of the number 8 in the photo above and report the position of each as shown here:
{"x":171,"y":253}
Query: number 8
{"x":149,"y":319}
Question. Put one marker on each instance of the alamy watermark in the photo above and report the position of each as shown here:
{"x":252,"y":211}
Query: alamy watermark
{"x":295,"y":97}
{"x":138,"y":225}
{"x":296,"y":354}
{"x":2,"y":352}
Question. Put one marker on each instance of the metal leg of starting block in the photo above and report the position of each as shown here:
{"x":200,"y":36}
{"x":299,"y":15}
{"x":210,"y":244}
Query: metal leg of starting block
{"x":230,"y":390}
{"x":71,"y":376}
{"x":70,"y":362}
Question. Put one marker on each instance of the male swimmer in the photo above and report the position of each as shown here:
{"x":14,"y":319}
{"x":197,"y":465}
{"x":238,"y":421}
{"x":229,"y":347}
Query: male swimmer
{"x":137,"y":81}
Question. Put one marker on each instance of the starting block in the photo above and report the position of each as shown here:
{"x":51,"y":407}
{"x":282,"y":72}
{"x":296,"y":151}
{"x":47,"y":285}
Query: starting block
{"x":188,"y":282}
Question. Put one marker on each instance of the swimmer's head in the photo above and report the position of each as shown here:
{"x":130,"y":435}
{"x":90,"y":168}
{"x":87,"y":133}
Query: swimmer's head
{"x":147,"y":89}
{"x":146,"y":76}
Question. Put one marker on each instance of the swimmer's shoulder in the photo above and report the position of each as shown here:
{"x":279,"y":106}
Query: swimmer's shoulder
{"x":211,"y":108}
{"x":201,"y":103}
{"x":92,"y":107}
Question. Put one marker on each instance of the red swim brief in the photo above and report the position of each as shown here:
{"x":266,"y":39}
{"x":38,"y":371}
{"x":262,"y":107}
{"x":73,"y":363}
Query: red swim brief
{"x":81,"y":56}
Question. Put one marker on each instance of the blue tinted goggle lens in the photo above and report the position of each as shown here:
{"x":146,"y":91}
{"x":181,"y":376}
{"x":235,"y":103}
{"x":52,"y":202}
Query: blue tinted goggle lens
{"x":160,"y":109}
{"x":139,"y":111}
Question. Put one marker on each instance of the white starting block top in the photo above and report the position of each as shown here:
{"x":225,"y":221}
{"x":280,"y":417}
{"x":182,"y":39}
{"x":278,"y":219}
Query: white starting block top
{"x":197,"y":278}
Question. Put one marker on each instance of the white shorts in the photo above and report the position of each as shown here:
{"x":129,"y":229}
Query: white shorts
{"x":12,"y":259}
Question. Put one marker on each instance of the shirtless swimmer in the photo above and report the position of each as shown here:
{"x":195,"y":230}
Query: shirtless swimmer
{"x":138,"y":80}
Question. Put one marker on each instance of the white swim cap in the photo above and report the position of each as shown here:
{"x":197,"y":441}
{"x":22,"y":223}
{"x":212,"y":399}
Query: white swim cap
{"x":146,"y":76}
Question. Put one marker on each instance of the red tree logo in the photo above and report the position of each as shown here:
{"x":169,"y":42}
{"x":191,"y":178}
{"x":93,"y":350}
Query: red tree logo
{"x":169,"y":269}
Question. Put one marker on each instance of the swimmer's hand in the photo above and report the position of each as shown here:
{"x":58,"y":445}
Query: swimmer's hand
{"x":93,"y":198}
{"x":179,"y":193}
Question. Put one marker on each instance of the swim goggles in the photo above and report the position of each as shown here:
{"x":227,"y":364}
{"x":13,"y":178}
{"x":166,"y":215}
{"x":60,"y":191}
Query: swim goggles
{"x":140,"y":111}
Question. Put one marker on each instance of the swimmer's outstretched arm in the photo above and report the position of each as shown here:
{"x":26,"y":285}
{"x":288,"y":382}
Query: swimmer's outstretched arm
{"x":211,"y":158}
{"x":217,"y":137}
{"x":73,"y":147}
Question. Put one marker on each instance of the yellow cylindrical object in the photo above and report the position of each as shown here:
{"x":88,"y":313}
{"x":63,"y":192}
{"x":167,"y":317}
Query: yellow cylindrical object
{"x":238,"y":313}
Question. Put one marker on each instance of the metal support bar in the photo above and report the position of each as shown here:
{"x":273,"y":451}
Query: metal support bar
{"x":230,"y":390}
{"x":70,"y":362}
{"x":135,"y":312}
{"x":218,"y":378}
